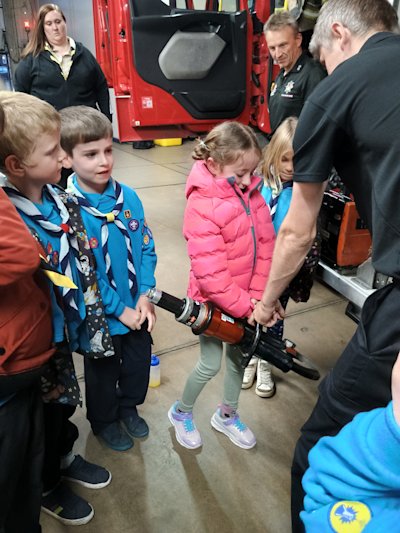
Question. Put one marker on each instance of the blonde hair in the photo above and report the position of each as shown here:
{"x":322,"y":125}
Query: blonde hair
{"x":25,"y":119}
{"x":38,"y":41}
{"x":226,"y":143}
{"x":82,"y":124}
{"x":281,"y":142}
{"x":2,"y":120}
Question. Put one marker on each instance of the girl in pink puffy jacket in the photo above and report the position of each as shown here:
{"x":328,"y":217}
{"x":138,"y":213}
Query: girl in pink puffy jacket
{"x":230,"y":241}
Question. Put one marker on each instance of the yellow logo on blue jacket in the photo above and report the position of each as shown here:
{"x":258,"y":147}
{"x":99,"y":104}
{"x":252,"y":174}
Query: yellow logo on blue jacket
{"x":349,"y":517}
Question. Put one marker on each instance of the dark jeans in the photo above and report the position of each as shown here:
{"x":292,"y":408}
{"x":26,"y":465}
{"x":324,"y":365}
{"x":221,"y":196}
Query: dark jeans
{"x":21,"y":458}
{"x":360,"y":381}
{"x":60,"y":435}
{"x":116,"y":385}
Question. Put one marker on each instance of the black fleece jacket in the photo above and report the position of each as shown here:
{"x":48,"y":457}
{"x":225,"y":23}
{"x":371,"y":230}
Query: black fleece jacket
{"x":85,"y":85}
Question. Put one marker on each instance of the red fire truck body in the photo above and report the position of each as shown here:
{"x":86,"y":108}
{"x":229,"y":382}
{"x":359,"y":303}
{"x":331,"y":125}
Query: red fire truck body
{"x":176,"y":71}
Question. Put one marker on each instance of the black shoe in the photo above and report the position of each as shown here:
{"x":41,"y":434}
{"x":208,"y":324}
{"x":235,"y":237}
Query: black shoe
{"x":115,"y":437}
{"x":136,"y":426}
{"x":142,"y":145}
{"x":67,"y":507}
{"x":87,"y":474}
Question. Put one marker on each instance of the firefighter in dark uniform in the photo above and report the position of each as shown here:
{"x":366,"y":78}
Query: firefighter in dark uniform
{"x":299,"y":73}
{"x":350,"y":121}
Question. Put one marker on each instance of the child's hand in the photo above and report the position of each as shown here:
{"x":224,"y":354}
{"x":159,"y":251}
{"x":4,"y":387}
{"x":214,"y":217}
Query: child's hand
{"x":253,"y":302}
{"x":146,"y":310}
{"x":53,"y":394}
{"x":130,"y":318}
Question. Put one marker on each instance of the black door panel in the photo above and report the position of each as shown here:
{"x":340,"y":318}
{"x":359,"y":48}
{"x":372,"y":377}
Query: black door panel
{"x":218,"y":91}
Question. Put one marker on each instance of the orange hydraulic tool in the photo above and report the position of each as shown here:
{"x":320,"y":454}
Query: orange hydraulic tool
{"x":354,"y":241}
{"x":204,"y":318}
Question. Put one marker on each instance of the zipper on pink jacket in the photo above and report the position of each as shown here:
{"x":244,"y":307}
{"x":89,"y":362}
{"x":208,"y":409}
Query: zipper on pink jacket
{"x":231,"y":181}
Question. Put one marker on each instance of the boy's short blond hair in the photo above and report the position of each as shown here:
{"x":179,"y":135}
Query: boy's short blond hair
{"x":81,"y":124}
{"x":25,"y":119}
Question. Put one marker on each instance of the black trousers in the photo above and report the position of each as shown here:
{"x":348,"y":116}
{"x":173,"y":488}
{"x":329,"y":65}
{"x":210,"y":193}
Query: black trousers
{"x":360,"y":381}
{"x":116,"y":385}
{"x":60,"y":435}
{"x":21,"y":459}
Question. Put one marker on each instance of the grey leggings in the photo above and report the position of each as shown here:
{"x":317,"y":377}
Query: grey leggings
{"x":208,"y":366}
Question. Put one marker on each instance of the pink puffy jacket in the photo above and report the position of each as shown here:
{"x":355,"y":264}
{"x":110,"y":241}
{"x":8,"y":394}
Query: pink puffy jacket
{"x":230,"y":240}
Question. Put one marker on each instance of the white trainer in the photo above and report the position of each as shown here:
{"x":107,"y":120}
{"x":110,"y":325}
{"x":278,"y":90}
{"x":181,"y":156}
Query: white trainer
{"x":265,"y":387}
{"x":234,"y":429}
{"x":250,"y":373}
{"x":185,"y":429}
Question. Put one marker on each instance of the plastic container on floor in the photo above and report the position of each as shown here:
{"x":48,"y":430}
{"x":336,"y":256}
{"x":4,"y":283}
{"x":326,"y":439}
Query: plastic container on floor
{"x":168,"y":142}
{"x":155,"y":373}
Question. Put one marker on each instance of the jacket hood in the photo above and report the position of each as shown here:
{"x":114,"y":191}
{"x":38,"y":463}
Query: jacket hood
{"x":200,"y":179}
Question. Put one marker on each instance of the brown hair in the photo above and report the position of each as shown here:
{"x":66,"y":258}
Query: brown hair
{"x":25,"y":119}
{"x":281,"y":142}
{"x":82,"y":124}
{"x":37,"y":41}
{"x":226,"y":143}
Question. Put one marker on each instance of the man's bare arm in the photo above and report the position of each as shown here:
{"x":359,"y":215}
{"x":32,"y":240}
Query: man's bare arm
{"x":396,"y":389}
{"x":294,"y":240}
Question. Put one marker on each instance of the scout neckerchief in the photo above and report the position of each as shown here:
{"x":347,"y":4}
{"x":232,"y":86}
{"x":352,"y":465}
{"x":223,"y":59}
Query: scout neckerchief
{"x":110,"y":218}
{"x":98,"y":332}
{"x":273,"y":202}
{"x":101,"y":344}
{"x":53,"y":274}
{"x":60,"y":370}
{"x":63,"y":231}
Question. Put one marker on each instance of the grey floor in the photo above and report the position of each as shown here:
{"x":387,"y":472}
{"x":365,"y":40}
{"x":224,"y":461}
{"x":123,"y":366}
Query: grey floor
{"x":160,"y":487}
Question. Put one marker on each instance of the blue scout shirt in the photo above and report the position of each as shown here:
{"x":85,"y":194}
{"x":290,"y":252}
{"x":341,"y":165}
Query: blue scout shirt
{"x":353,"y":483}
{"x":282,"y":207}
{"x":143,"y":252}
{"x":77,"y":335}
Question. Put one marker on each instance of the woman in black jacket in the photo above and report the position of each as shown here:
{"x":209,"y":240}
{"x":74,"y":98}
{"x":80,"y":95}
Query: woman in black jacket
{"x":59,"y":70}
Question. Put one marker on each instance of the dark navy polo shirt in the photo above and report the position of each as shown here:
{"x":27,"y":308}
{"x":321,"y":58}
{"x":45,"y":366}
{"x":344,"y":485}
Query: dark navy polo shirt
{"x":352,"y":122}
{"x":290,"y":91}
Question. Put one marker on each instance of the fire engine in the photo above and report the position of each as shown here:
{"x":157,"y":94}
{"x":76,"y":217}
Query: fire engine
{"x":176,"y":68}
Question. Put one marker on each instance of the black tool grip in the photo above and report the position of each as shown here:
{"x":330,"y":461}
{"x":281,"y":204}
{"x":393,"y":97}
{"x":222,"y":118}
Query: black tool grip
{"x":166,"y":301}
{"x":272,"y":351}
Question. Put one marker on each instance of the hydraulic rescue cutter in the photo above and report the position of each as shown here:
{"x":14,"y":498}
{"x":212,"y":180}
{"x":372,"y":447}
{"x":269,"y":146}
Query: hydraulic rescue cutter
{"x":204,"y":318}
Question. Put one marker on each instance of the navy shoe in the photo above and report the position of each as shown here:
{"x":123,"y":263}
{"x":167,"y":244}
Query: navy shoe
{"x":115,"y":437}
{"x":86,"y":474}
{"x":67,"y":507}
{"x":136,"y":426}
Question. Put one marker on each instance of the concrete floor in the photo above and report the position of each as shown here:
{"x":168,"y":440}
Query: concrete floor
{"x":160,"y":487}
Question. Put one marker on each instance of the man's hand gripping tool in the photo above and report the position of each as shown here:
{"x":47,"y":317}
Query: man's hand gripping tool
{"x":204,"y":318}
